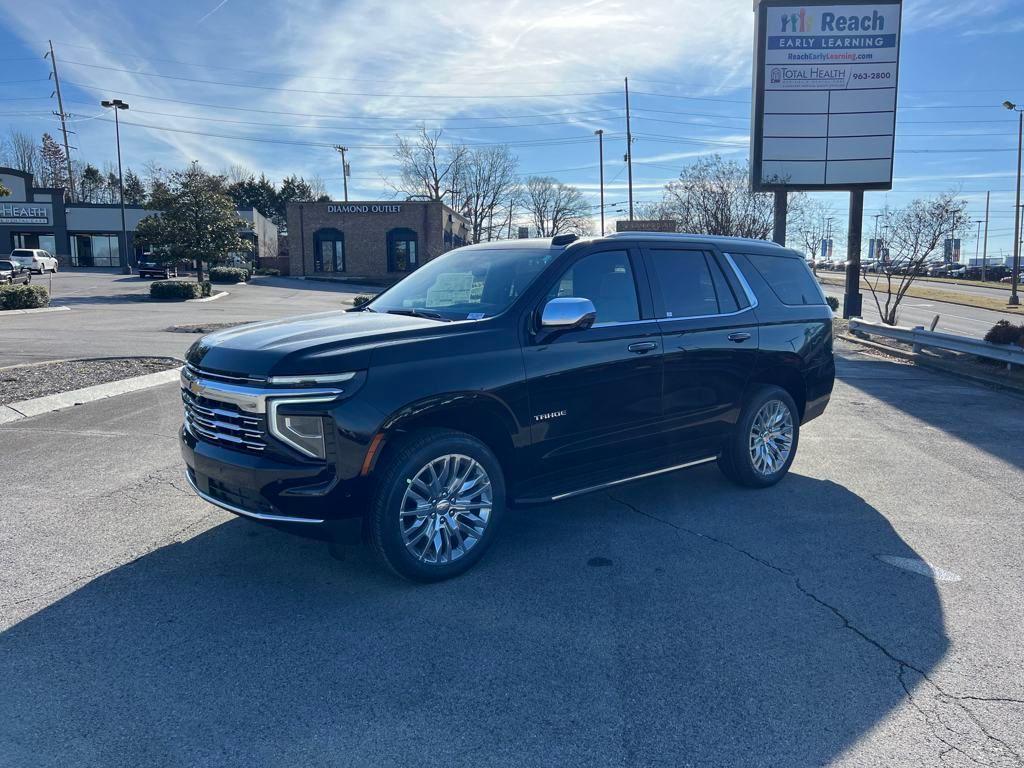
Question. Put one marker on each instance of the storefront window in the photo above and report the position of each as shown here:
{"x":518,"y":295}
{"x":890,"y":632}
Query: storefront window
{"x":95,"y":251}
{"x":329,"y":250}
{"x":402,"y":250}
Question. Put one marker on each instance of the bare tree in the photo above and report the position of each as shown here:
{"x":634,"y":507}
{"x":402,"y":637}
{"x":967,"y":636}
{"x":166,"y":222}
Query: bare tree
{"x":556,"y":208}
{"x":21,"y":151}
{"x":488,"y":180}
{"x":713,"y":197}
{"x":430,"y":169}
{"x":913,"y":234}
{"x":318,"y":187}
{"x":236,"y":173}
{"x":808,"y":225}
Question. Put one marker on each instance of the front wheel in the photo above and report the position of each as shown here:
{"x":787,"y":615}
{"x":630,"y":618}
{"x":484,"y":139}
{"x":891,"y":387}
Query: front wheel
{"x":763,"y":446}
{"x":439,"y":499}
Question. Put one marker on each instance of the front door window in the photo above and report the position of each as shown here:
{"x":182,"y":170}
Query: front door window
{"x":403,"y":253}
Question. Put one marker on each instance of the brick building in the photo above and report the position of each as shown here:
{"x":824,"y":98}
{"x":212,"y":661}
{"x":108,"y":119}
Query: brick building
{"x":377,"y":239}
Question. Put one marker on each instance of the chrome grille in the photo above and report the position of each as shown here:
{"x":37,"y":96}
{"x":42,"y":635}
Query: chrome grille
{"x":224,"y":424}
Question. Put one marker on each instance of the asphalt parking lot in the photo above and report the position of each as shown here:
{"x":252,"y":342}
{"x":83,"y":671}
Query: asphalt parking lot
{"x":111,"y":314}
{"x":678,"y":621}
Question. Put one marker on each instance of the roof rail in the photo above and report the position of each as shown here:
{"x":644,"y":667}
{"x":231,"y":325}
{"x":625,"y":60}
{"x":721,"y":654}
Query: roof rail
{"x":691,"y":237}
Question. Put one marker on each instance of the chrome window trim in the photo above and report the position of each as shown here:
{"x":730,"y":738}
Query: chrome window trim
{"x":275,"y":403}
{"x":246,"y":512}
{"x":751,"y":296}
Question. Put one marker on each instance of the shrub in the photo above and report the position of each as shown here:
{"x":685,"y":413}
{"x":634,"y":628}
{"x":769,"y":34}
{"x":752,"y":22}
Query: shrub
{"x":1005,"y":332}
{"x":23,"y":297}
{"x":228,"y":275}
{"x":360,"y":300}
{"x":178,"y":290}
{"x":268,"y":271}
{"x":833,"y":303}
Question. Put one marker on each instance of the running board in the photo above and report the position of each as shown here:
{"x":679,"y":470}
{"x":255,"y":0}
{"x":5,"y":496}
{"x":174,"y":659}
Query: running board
{"x":592,"y":488}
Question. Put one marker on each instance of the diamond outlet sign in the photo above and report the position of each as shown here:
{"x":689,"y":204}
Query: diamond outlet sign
{"x":825,"y":84}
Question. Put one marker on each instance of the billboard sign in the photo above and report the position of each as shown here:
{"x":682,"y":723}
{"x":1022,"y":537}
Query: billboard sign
{"x":825,"y":84}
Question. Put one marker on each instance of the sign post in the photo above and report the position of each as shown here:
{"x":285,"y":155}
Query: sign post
{"x":825,"y":84}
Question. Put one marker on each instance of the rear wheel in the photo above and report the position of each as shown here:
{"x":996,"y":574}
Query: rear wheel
{"x":763,"y":446}
{"x":438,"y":503}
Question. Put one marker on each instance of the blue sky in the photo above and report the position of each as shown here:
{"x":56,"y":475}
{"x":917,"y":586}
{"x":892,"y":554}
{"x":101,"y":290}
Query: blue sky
{"x":272,"y":85}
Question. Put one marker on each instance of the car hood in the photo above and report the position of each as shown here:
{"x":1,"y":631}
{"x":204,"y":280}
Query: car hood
{"x":330,"y":342}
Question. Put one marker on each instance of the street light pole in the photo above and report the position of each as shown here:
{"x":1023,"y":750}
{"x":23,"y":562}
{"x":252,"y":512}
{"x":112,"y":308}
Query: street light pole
{"x":117,"y":105}
{"x":600,"y":164}
{"x":1014,"y":298}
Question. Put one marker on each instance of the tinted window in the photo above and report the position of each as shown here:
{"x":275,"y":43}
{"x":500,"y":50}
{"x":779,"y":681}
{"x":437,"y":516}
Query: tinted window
{"x":6,"y":265}
{"x":789,"y":278}
{"x":606,"y":279}
{"x":689,"y":284}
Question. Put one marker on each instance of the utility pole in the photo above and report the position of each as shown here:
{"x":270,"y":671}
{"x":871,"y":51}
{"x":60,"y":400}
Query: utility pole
{"x":852,"y":300}
{"x":984,"y":253}
{"x":629,"y":153}
{"x":63,"y":120}
{"x":600,"y":165}
{"x":1014,"y":299}
{"x":344,"y":167}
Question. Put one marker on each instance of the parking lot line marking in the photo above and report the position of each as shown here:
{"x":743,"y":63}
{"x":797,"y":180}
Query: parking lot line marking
{"x":920,"y":567}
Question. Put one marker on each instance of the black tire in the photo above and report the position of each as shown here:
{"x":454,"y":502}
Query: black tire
{"x":736,"y":461}
{"x":395,"y":474}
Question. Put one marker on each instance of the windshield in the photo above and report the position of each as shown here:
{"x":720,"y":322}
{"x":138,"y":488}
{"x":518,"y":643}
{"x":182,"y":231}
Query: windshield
{"x":467,"y":283}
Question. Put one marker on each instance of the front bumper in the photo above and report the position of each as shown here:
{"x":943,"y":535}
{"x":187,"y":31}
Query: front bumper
{"x":306,"y":499}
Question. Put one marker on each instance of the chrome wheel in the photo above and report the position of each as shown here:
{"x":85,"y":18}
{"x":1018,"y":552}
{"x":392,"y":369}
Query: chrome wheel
{"x":771,"y":437}
{"x":445,"y":509}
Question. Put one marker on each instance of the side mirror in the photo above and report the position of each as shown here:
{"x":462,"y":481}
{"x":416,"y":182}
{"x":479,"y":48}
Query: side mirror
{"x":567,"y":313}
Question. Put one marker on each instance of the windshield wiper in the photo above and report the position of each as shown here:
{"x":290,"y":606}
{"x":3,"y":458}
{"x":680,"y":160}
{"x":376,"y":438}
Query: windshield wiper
{"x":416,"y":312}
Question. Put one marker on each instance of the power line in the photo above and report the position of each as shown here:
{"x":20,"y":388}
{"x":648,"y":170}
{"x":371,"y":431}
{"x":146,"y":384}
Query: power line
{"x":307,"y":76}
{"x":401,"y":127}
{"x":294,"y":113}
{"x":433,"y":97}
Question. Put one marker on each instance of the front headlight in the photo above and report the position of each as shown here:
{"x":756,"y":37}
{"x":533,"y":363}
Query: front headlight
{"x":303,"y":432}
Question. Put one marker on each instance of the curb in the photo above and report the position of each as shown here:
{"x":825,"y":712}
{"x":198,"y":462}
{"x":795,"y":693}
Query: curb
{"x":39,"y":405}
{"x":215,"y":296}
{"x":1009,"y":387}
{"x":37,"y":311}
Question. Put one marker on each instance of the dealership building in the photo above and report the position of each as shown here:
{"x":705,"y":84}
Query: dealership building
{"x":380,"y":240}
{"x":89,"y":234}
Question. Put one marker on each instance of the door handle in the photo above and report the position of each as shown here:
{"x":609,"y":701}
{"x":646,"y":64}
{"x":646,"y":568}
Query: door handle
{"x":642,"y":347}
{"x":739,"y":337}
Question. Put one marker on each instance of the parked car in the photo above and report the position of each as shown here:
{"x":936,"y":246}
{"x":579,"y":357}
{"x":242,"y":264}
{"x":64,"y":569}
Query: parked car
{"x":517,"y":372}
{"x":1009,"y":279}
{"x":956,"y":270}
{"x":35,"y":259}
{"x":157,"y":270}
{"x":936,"y":269}
{"x":11,"y":272}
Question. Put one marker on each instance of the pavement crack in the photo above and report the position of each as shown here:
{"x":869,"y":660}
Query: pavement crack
{"x":948,"y":718}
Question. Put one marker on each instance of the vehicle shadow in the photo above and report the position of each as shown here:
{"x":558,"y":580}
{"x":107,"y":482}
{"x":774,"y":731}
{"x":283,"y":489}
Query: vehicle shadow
{"x":112,"y":298}
{"x":639,"y":627}
{"x":957,"y":407}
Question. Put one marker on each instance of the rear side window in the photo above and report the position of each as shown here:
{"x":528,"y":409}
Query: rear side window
{"x":689,"y":284}
{"x":789,"y":278}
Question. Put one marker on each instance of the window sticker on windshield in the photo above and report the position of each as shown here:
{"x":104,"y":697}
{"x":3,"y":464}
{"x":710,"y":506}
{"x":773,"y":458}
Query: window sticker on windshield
{"x":449,"y":289}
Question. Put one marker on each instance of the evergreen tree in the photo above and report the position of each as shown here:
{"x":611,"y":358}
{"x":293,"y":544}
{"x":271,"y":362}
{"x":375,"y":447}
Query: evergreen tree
{"x":134,"y":189}
{"x":197,"y":220}
{"x":53,"y":168}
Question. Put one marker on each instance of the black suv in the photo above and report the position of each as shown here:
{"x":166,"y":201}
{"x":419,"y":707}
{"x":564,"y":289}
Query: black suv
{"x":510,"y":373}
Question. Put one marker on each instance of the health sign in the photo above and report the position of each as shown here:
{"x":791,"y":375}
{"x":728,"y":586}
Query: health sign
{"x":825,"y":82}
